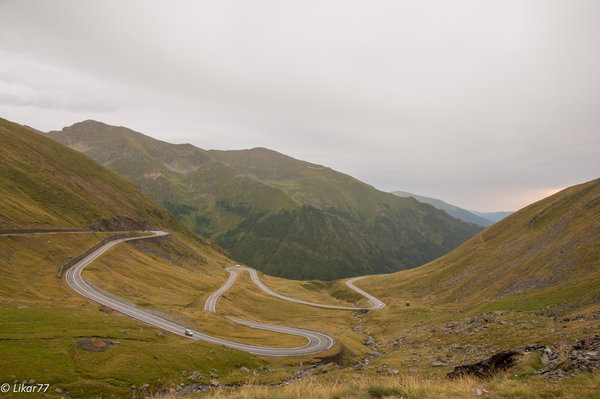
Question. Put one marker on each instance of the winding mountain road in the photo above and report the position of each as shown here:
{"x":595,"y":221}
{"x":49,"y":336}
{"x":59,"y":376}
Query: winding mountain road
{"x":317,"y":342}
{"x":211,"y":302}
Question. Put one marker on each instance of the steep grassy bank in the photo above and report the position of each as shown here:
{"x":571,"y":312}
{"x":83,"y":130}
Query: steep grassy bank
{"x":44,"y":184}
{"x":547,"y":254}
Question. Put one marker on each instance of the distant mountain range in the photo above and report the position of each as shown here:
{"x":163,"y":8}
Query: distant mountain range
{"x":493,"y":216}
{"x":284,"y":216}
{"x":484,"y":219}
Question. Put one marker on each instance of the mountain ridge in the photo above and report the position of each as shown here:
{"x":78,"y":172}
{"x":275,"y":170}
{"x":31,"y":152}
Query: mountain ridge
{"x":284,"y":216}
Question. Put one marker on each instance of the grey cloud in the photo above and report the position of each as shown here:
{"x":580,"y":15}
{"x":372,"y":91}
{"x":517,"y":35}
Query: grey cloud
{"x":26,"y":81}
{"x":478,"y":102}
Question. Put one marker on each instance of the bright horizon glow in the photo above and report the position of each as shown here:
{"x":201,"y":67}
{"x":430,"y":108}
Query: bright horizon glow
{"x":520,"y":200}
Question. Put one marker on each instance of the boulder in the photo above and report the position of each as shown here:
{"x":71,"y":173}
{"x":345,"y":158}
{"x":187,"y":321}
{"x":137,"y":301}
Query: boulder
{"x":195,"y":376}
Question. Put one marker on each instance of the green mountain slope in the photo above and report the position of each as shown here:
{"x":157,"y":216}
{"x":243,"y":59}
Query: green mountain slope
{"x":284,"y":216}
{"x":405,"y":230}
{"x":452,"y":210}
{"x":547,"y":254}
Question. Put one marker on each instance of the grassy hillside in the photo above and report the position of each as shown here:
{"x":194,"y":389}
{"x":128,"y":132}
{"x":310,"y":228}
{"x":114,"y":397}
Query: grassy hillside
{"x":408,"y":232}
{"x":533,"y":277}
{"x":547,"y":254}
{"x":45,"y":184}
{"x":286,"y":217}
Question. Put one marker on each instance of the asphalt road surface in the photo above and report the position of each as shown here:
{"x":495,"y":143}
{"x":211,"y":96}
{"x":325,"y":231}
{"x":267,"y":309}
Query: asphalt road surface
{"x":211,"y":302}
{"x":317,"y":342}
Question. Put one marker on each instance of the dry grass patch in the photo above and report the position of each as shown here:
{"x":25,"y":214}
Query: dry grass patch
{"x":347,"y":385}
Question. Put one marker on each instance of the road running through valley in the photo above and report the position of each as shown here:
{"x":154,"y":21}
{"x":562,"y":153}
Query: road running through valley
{"x":317,"y":342}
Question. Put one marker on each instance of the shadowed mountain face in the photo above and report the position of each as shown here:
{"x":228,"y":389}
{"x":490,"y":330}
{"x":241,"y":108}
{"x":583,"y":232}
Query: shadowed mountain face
{"x":283,"y":216}
{"x":547,"y":254}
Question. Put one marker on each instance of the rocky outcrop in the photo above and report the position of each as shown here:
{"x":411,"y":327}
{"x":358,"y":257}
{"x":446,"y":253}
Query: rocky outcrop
{"x":93,"y":344}
{"x":559,"y":361}
{"x":564,"y":360}
{"x":498,"y":362}
{"x":120,"y":223}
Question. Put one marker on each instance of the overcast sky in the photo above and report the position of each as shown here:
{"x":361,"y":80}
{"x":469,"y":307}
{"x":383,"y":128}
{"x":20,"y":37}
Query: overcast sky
{"x":489,"y":105}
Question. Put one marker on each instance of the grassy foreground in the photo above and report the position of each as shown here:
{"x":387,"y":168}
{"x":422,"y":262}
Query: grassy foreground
{"x":345,"y":385}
